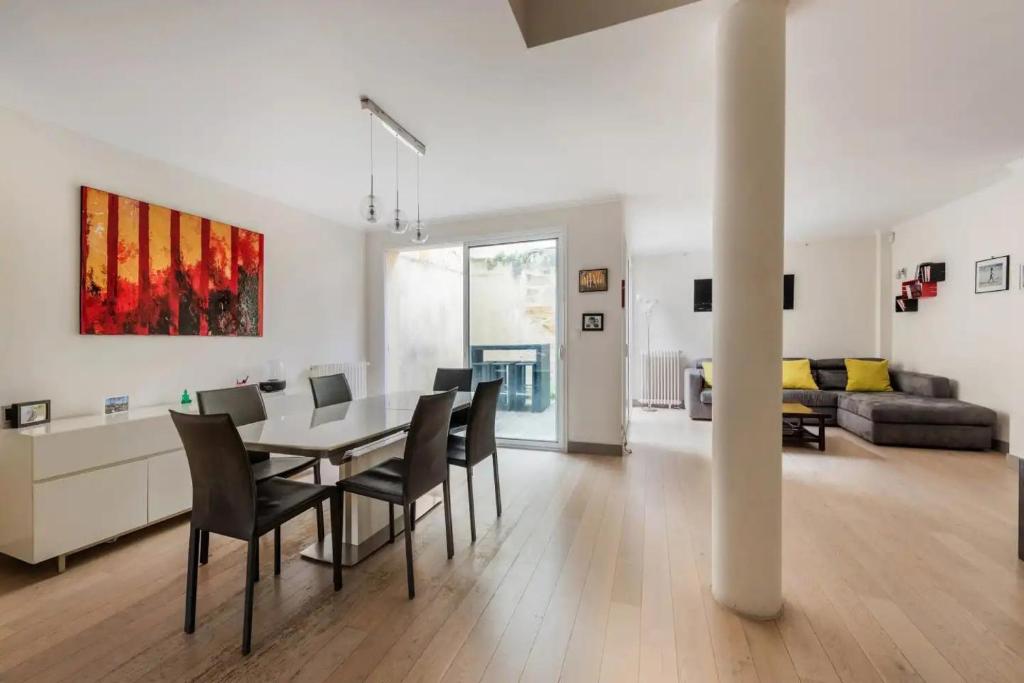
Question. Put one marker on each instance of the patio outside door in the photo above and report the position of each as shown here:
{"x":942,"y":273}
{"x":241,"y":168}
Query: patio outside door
{"x":514,"y":328}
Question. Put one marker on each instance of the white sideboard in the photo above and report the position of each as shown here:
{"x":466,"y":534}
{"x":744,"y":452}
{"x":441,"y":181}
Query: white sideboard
{"x":76,"y":482}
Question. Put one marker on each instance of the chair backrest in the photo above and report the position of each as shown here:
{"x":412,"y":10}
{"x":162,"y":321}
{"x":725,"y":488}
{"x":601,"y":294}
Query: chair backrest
{"x":330,"y":390}
{"x":453,"y":378}
{"x":223,"y":488}
{"x":480,"y":441}
{"x":244,"y":404}
{"x":426,"y":447}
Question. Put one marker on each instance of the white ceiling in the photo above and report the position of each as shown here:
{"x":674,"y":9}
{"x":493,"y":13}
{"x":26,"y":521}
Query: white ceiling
{"x":895,"y":106}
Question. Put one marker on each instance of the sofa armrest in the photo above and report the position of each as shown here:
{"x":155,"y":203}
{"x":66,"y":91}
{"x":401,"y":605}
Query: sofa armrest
{"x":920,"y":384}
{"x":694,"y":379}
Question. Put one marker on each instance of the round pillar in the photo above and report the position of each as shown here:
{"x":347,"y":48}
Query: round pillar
{"x":748,"y":239}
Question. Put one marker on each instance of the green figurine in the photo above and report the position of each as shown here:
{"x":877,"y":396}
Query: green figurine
{"x":185,"y":398}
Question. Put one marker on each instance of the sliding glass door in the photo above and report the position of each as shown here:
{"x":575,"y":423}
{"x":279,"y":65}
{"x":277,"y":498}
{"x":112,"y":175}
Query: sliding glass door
{"x":514,"y":330}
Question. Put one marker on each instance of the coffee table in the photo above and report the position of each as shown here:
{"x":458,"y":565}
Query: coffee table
{"x":797,"y":422}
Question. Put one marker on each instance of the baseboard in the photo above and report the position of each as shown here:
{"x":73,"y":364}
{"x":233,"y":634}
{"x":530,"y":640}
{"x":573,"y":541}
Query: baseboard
{"x":637,"y":403}
{"x":595,"y":448}
{"x":1013,"y":461}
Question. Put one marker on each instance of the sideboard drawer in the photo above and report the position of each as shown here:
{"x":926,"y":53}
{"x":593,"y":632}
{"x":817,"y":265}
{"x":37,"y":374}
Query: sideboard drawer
{"x":170,"y":485}
{"x":79,"y":510}
{"x":62,"y":453}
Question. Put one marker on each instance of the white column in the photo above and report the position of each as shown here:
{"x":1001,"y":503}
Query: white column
{"x":748,"y":240}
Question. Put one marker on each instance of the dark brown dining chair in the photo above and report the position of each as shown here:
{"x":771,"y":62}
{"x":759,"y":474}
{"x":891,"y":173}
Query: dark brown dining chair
{"x":245,"y":405}
{"x":330,"y":390}
{"x":455,"y":378}
{"x":227,"y":500}
{"x":420,"y":471}
{"x":479,"y":443}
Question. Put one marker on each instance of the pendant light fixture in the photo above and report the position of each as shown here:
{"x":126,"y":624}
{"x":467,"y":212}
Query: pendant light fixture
{"x":398,"y":224}
{"x":370,"y":208}
{"x":419,"y":234}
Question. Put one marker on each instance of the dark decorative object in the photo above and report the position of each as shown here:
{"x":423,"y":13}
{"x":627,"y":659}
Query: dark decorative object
{"x":147,"y":269}
{"x":905,"y":305}
{"x":992,"y":275}
{"x":702,"y":294}
{"x":593,"y":322}
{"x":271,"y":385}
{"x":931,"y":272}
{"x":594,"y":280}
{"x":28,"y":413}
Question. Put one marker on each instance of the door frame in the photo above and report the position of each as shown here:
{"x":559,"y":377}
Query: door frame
{"x":562,"y":397}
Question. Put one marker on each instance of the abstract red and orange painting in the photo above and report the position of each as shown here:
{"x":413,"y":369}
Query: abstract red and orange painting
{"x":147,"y":269}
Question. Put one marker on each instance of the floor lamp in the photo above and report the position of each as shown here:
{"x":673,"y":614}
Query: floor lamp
{"x":647,"y":308}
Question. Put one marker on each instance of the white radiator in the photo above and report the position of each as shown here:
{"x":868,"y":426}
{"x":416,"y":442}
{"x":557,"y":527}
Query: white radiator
{"x":355,"y":373}
{"x":661,"y":378}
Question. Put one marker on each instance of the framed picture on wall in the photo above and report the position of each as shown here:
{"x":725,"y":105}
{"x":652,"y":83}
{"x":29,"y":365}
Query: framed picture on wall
{"x":992,"y":275}
{"x":594,"y":280}
{"x":593,"y":322}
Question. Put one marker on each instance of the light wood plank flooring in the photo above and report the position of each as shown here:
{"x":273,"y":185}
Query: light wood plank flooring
{"x":900,"y":565}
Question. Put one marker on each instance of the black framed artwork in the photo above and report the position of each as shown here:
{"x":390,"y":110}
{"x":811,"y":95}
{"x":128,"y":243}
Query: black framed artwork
{"x":593,"y":322}
{"x":29,"y":413}
{"x":992,"y":275}
{"x":594,"y":280}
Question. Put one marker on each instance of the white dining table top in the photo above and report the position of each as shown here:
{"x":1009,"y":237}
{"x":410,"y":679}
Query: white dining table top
{"x":295,"y":427}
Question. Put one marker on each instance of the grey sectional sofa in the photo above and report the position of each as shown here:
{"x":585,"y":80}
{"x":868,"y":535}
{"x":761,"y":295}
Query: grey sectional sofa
{"x":920,"y":412}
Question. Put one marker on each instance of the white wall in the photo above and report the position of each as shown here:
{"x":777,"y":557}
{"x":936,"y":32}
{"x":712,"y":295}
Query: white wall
{"x":975,"y":339}
{"x":834,"y":312}
{"x":594,"y":236}
{"x":313,"y":293}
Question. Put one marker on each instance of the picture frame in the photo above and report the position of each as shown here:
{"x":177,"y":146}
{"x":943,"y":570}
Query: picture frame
{"x":992,"y":275}
{"x":28,"y":413}
{"x":115,"y":405}
{"x":593,"y":322}
{"x":594,"y":280}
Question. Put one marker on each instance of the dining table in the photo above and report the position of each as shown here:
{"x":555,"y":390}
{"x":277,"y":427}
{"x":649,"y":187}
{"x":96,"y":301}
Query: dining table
{"x":349,"y":438}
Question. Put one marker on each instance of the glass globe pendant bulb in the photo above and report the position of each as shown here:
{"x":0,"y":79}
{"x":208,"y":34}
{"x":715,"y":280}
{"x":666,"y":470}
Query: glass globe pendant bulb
{"x":399,"y":226}
{"x":419,"y":235}
{"x":370,"y":208}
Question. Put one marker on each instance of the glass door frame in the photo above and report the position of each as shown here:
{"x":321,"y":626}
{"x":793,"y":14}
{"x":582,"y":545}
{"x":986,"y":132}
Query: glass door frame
{"x":561,"y":401}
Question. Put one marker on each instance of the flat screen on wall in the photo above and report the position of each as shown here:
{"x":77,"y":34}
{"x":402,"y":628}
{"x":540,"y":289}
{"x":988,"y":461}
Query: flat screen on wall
{"x":702,"y":293}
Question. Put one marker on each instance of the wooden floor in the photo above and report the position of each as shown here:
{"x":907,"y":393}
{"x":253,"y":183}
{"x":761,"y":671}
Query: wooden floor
{"x":900,"y":565}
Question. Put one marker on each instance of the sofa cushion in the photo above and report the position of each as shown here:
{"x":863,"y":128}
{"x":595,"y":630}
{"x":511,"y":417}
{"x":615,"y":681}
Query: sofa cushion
{"x":832,"y":379}
{"x":705,"y":397}
{"x":867,"y":375}
{"x":902,"y":408}
{"x":811,"y":398}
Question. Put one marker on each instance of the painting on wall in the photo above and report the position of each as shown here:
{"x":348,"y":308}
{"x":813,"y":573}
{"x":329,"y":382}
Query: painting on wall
{"x":992,"y":275}
{"x":594,"y":280}
{"x":150,"y":270}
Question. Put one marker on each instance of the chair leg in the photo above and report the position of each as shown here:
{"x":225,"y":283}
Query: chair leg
{"x":472,"y":507}
{"x":497,"y":483}
{"x":391,"y":522}
{"x":448,"y":536}
{"x":277,"y":551}
{"x":412,"y":518}
{"x":319,"y":506}
{"x":407,"y":511}
{"x":250,"y":579}
{"x":204,"y":546}
{"x":337,"y":512}
{"x":256,"y":569}
{"x":191,"y":579}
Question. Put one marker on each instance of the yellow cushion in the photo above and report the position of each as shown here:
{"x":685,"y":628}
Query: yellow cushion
{"x":867,"y":375}
{"x":796,"y":374}
{"x":707,"y":372}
